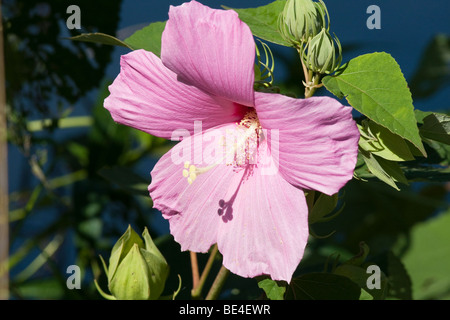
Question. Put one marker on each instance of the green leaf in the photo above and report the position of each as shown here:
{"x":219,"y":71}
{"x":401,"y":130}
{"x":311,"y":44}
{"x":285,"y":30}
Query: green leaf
{"x":360,"y":257}
{"x":420,"y":115}
{"x":148,"y":38}
{"x":427,"y":259}
{"x":436,"y":126}
{"x":101,"y":38}
{"x":427,"y":174}
{"x":360,"y":276}
{"x":400,"y":285}
{"x":383,"y":143}
{"x":374,"y":85}
{"x":274,"y":289}
{"x":385,"y":170}
{"x":323,"y":206}
{"x":355,"y":269}
{"x":45,"y":288}
{"x":442,"y":152}
{"x":263,"y":21}
{"x":322,"y":286}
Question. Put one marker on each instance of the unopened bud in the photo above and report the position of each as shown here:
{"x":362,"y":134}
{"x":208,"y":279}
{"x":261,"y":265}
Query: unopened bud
{"x":137,"y":269}
{"x":320,"y":54}
{"x":301,"y":20}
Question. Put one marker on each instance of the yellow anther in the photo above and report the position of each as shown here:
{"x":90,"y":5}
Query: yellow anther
{"x":192,"y":177}
{"x":190,"y":172}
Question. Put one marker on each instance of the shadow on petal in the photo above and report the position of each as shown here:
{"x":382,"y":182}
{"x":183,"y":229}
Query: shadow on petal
{"x":226,"y":207}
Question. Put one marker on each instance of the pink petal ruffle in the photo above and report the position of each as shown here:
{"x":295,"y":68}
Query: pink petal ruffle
{"x":210,"y":49}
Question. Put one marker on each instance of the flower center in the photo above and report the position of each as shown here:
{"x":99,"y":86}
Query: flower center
{"x":240,"y":147}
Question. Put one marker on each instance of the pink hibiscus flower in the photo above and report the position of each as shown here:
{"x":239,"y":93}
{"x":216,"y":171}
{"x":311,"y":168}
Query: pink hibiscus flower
{"x":237,"y":176}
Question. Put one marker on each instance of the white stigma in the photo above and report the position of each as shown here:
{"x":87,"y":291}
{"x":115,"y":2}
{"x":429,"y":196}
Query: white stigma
{"x":241,"y":152}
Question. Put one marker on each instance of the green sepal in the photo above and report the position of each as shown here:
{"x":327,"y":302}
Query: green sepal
{"x":130,"y":279}
{"x":103,"y":293}
{"x":158,"y":269}
{"x":121,"y":249}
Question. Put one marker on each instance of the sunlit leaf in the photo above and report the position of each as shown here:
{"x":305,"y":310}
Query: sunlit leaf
{"x":383,"y":143}
{"x":274,"y":290}
{"x":385,"y":170}
{"x":374,"y":85}
{"x":263,"y":21}
{"x":148,"y":38}
{"x":101,"y":38}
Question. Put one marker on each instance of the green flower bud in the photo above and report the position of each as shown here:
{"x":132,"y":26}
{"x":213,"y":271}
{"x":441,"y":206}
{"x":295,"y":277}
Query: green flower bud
{"x":137,"y":269}
{"x":320,"y":53}
{"x":302,"y":20}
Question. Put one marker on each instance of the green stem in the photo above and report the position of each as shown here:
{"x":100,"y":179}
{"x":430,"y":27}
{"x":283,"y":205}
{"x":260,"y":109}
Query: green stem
{"x":309,"y":91}
{"x":41,"y":259}
{"x":218,"y":283}
{"x":197,"y":290}
{"x":65,"y":123}
{"x":194,"y":268}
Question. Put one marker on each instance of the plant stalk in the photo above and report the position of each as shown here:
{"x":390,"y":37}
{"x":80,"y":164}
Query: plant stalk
{"x":218,"y":283}
{"x":195,"y":270}
{"x":197,"y":290}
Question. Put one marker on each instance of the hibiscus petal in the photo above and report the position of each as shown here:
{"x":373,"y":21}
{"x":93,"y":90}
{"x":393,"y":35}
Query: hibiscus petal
{"x":192,"y":209}
{"x":267,"y":229}
{"x":147,"y":96}
{"x":258,"y":220}
{"x":314,"y":141}
{"x":210,"y":49}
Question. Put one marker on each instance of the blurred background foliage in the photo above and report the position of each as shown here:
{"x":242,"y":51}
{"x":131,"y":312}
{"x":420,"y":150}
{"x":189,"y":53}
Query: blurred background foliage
{"x":77,"y":179}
